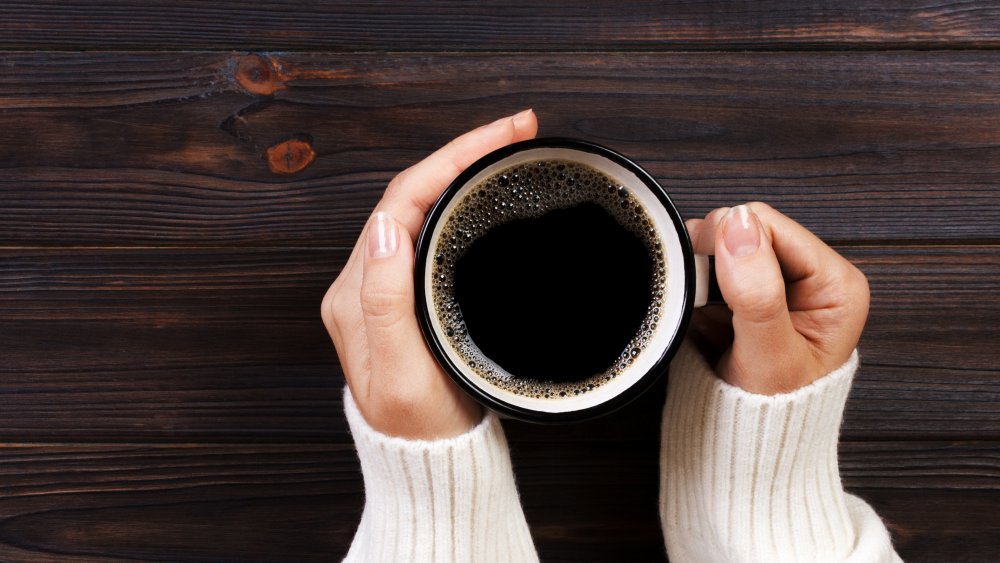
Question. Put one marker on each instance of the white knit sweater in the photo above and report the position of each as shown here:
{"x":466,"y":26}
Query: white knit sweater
{"x":744,"y":477}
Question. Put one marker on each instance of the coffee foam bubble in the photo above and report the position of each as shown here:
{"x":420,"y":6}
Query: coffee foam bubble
{"x":530,"y":190}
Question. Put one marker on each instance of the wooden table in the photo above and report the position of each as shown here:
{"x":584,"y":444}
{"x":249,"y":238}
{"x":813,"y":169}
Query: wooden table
{"x":182,"y":180}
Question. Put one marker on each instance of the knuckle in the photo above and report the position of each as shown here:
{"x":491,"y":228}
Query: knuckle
{"x":396,"y":184}
{"x":860,"y":289}
{"x":766,"y":311}
{"x":326,"y":310}
{"x":328,"y":307}
{"x":759,"y":207}
{"x":715,"y":215}
{"x":761,"y":304}
{"x":851,"y":280}
{"x":338,"y":308}
{"x":381,"y":303}
{"x":862,"y":280}
{"x":453,"y":167}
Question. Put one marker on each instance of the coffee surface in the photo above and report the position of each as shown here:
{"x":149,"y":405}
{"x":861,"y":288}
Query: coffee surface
{"x":557,"y":297}
{"x":548,"y":278}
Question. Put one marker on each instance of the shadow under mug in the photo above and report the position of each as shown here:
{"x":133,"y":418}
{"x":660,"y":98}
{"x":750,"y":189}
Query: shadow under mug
{"x":690,"y":283}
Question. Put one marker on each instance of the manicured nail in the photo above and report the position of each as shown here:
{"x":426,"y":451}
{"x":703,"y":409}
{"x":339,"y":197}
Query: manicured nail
{"x":521,"y":119}
{"x":740,"y":231}
{"x":383,"y":236}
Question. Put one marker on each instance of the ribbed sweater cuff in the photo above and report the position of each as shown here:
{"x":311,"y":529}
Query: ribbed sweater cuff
{"x":750,"y":477}
{"x":441,"y":500}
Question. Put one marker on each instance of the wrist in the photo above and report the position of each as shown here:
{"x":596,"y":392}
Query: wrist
{"x":438,"y":411}
{"x":756,"y":473}
{"x":782,"y":373}
{"x":424,"y":498}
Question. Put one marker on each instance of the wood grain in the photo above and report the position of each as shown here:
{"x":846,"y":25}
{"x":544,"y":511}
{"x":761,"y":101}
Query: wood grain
{"x":569,"y":491}
{"x":187,"y":503}
{"x":227,"y":345}
{"x":142,"y":502}
{"x":951,"y":526}
{"x":175,"y":344}
{"x":860,"y":147}
{"x":494,"y":25}
{"x":179,"y":183}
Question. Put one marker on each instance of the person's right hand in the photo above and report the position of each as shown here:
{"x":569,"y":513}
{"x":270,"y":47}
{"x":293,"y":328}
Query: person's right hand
{"x":797,"y":307}
{"x":369,"y":310}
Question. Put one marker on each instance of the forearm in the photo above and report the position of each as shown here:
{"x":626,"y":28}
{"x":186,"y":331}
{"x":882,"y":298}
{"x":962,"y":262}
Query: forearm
{"x":442,"y":500}
{"x":749,"y":477}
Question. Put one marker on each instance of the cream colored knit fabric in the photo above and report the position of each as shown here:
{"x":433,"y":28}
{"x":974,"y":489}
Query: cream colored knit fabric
{"x":744,"y":478}
{"x":438,"y":501}
{"x":753,"y":478}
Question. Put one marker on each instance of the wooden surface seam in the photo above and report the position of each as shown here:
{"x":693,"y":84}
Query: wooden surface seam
{"x":180,"y":182}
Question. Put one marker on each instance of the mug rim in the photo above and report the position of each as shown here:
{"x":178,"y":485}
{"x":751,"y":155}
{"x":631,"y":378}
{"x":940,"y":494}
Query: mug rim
{"x":435,"y":343}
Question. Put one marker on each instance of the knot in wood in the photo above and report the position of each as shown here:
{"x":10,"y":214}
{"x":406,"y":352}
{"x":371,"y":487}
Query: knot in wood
{"x":256,"y":74}
{"x":290,"y":156}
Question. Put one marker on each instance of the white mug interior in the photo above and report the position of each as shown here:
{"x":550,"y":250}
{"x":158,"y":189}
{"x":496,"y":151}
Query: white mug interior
{"x":672,"y":306}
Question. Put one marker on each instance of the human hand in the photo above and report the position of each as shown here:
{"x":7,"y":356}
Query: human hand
{"x":796,"y":307}
{"x":369,"y":310}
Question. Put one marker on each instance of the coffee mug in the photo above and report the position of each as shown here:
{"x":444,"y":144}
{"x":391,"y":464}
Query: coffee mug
{"x":555,"y":280}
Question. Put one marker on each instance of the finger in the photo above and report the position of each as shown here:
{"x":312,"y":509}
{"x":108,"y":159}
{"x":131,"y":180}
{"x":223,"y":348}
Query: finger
{"x":809,"y":266}
{"x":347,"y":283}
{"x":693,"y":228}
{"x":414,"y":190}
{"x":801,"y":253}
{"x":411,"y":193}
{"x":387,"y":300}
{"x":704,"y":241}
{"x":828,"y":296}
{"x":750,"y":278}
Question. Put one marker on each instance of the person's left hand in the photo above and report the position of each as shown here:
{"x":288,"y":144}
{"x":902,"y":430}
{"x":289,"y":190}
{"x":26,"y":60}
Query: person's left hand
{"x":796,"y":307}
{"x":369,"y":310}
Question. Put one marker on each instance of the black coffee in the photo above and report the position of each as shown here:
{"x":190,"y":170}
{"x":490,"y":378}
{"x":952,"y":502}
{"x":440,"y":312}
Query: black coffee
{"x":557,"y":297}
{"x":548,"y":278}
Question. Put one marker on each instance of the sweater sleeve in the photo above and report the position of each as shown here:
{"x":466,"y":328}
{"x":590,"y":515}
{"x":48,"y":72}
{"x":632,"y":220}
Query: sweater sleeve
{"x":442,"y":501}
{"x":754,"y":478}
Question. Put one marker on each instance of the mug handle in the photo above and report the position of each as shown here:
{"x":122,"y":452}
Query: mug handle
{"x":706,"y":290}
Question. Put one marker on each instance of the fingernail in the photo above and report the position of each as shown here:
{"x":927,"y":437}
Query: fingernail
{"x":740,"y":231}
{"x":383,"y":236}
{"x":522,"y":119}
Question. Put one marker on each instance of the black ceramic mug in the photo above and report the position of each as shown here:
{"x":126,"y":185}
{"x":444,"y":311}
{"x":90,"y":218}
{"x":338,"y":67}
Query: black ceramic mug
{"x":687,"y":280}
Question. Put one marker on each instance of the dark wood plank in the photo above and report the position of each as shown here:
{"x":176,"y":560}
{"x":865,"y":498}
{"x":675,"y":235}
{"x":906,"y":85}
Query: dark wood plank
{"x":939,"y":525}
{"x":172,"y":149}
{"x":928,"y":304}
{"x":920,"y":464}
{"x":205,"y":151}
{"x":494,"y":25}
{"x":597,"y":502}
{"x":169,"y":344}
{"x":227,"y":345}
{"x":187,"y":503}
{"x":142,"y":502}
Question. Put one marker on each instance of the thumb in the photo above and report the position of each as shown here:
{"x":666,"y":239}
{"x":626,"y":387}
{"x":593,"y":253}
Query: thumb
{"x":387,"y":299}
{"x":766,"y":347}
